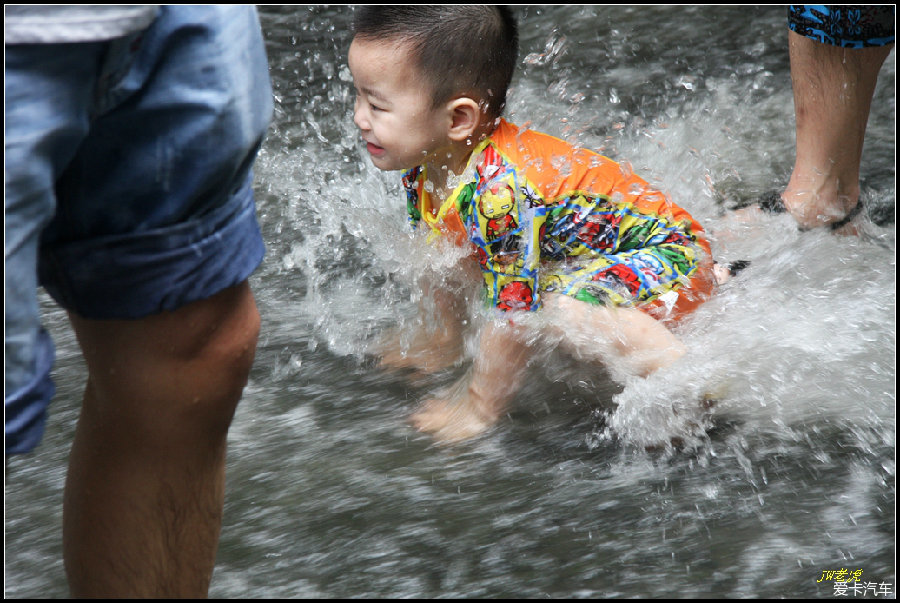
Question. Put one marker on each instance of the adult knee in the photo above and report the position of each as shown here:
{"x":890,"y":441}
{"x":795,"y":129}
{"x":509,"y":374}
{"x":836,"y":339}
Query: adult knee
{"x":180,"y":372}
{"x":216,"y":364}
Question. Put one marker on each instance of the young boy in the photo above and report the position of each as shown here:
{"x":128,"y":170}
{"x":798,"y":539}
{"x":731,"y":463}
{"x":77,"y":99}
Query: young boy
{"x":553,"y":228}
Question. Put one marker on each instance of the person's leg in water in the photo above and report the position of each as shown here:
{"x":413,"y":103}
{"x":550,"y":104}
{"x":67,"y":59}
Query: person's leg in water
{"x":152,"y":266}
{"x":833,"y":89}
{"x":625,"y":340}
{"x":145,"y":487}
{"x":144,"y":494}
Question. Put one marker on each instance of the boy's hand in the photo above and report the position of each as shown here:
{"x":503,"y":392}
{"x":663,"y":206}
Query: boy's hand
{"x":475,"y":402}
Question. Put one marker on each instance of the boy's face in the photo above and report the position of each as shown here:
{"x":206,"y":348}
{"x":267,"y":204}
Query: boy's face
{"x":394,"y":110}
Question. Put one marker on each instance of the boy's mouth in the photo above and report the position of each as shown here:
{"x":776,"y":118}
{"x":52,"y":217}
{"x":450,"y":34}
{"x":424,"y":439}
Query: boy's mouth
{"x":374,"y":149}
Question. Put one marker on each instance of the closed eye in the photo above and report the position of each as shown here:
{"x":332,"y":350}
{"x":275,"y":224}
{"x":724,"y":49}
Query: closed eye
{"x":369,"y":96}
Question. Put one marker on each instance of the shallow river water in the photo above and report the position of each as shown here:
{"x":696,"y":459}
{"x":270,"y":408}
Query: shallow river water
{"x":332,"y":494}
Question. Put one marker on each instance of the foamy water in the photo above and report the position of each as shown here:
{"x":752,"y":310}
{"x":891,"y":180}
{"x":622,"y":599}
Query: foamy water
{"x":332,"y":493}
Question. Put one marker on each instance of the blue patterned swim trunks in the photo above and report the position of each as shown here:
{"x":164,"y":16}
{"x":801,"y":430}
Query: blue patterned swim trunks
{"x":853,"y":26}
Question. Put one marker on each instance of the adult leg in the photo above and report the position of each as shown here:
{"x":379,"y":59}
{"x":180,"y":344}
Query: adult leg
{"x":48,"y":92}
{"x":144,"y":492}
{"x":833,"y":89}
{"x":155,"y":238}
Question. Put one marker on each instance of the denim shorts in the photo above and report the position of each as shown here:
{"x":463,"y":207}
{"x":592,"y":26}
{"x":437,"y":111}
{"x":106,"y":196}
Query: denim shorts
{"x":127,"y":180}
{"x":847,"y":26}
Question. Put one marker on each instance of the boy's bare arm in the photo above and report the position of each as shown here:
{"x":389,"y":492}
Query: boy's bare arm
{"x":475,"y":402}
{"x":435,"y":341}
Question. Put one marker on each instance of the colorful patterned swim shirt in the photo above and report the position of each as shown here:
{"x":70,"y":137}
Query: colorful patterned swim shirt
{"x":544,"y":216}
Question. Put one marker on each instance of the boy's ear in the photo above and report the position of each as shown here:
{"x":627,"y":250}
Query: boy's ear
{"x":465,"y":116}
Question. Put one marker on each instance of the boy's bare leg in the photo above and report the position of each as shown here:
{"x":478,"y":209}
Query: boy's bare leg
{"x":626,"y":340}
{"x":478,"y":399}
{"x":144,"y":492}
{"x":833,"y":89}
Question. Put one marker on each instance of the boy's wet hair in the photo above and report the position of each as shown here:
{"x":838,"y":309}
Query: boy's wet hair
{"x":469,"y":50}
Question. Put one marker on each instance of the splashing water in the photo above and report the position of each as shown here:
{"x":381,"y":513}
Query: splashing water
{"x":789,"y":472}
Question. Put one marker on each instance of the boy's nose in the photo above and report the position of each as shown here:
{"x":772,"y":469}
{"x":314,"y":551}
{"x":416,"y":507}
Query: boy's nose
{"x":358,"y":117}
